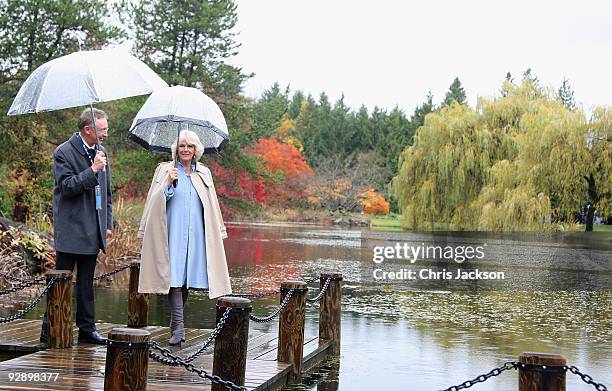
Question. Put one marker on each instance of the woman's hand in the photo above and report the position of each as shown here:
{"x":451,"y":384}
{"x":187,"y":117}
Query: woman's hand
{"x":174,"y":174}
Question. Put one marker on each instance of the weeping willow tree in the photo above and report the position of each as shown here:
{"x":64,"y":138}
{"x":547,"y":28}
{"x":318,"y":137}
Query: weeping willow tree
{"x":598,"y":172}
{"x":442,"y":173}
{"x":523,"y":161}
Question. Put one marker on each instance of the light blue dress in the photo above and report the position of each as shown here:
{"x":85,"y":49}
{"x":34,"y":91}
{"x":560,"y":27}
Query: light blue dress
{"x":186,"y":234}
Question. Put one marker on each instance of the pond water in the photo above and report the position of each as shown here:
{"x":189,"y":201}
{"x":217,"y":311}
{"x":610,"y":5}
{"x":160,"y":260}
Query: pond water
{"x":399,"y":337}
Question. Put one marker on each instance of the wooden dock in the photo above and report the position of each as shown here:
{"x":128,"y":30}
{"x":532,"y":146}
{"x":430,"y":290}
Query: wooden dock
{"x":82,"y":366}
{"x":241,"y":356}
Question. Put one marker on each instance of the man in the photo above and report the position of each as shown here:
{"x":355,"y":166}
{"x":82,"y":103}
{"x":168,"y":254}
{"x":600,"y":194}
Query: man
{"x":81,"y":222}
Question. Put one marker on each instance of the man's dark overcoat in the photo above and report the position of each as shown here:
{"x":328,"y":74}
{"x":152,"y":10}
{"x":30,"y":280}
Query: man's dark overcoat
{"x":78,"y":227}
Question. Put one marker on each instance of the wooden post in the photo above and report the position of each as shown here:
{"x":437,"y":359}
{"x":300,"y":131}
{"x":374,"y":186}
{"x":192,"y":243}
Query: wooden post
{"x":291,"y":327}
{"x":229,"y":361}
{"x":531,"y":379}
{"x":59,"y":309}
{"x":330,"y":312}
{"x":138,"y":303}
{"x":126,"y":367}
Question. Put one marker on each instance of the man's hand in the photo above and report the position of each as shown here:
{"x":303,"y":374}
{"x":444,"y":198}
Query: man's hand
{"x":174,"y":174}
{"x":109,"y":234}
{"x":99,"y":163}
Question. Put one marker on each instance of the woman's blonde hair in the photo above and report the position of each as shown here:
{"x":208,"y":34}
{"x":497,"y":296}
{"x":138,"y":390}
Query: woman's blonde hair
{"x":193,"y":139}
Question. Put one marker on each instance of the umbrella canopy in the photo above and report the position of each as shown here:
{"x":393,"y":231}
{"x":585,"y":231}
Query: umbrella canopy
{"x":170,"y":110}
{"x":84,"y":78}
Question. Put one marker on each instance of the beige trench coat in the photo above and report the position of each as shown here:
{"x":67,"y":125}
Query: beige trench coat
{"x":154,"y":261}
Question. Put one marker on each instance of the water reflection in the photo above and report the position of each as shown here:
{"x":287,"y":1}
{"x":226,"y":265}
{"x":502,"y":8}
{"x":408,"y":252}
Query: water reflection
{"x":394,"y":337}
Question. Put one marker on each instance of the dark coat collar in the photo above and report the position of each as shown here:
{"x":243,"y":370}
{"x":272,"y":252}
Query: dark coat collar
{"x":77,"y":143}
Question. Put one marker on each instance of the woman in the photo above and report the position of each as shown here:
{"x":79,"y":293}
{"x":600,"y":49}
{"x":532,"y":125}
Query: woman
{"x":183,"y":232}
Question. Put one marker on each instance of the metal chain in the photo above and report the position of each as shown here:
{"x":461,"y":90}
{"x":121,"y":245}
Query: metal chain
{"x":209,"y":341}
{"x":586,"y":378}
{"x":255,"y":295}
{"x":310,"y":279}
{"x":21,"y":313}
{"x":17,"y":288}
{"x":169,"y":357}
{"x":22,"y":280}
{"x":323,"y":290}
{"x":516,"y":365}
{"x":278,"y":310}
{"x":485,"y":377}
{"x":211,"y":337}
{"x":107,"y":274}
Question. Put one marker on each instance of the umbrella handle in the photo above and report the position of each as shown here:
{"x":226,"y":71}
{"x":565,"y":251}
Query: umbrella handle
{"x":174,"y":183}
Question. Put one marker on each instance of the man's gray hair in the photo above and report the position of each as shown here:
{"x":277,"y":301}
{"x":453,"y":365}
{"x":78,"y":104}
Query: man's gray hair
{"x":193,"y":139}
{"x":85,"y":118}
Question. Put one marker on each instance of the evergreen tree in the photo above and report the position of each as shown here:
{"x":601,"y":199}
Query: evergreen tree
{"x":566,"y":94}
{"x":296,"y":104}
{"x":188,"y":42}
{"x":268,"y":111}
{"x":455,"y":93}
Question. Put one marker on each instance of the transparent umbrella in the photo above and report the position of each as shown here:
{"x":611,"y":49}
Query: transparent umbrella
{"x":170,"y":110}
{"x":84,"y":78}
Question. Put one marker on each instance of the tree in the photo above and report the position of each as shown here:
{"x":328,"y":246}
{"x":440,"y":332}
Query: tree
{"x":339,"y":184}
{"x":189,"y":44}
{"x":33,"y":32}
{"x":268,"y":112}
{"x":520,"y":162}
{"x":455,"y":93}
{"x":287,"y":167}
{"x":296,"y":104}
{"x":445,"y":168}
{"x":287,"y":133}
{"x":566,"y":94}
{"x":374,"y":203}
{"x":598,"y":171}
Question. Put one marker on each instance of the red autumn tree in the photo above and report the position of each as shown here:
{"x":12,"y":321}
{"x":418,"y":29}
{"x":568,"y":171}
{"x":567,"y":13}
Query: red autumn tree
{"x":287,"y":165}
{"x":234,"y":184}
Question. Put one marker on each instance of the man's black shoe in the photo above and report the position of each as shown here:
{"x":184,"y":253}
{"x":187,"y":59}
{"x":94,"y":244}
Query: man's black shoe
{"x":91,"y":337}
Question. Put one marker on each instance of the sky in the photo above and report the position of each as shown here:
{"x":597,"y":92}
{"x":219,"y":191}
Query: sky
{"x":392,"y":53}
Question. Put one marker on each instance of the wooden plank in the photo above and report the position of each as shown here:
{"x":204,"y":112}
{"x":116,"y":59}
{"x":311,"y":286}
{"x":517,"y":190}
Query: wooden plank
{"x":317,"y":356}
{"x":270,"y":354}
{"x":82,"y":366}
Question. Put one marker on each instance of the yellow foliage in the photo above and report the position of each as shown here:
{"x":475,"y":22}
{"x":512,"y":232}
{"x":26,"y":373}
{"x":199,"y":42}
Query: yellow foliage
{"x":497,"y":167}
{"x":374,"y":203}
{"x":287,"y":133}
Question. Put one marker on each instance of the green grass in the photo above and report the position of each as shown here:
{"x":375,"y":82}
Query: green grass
{"x":386,"y":222}
{"x":394,"y":223}
{"x":596,"y":228}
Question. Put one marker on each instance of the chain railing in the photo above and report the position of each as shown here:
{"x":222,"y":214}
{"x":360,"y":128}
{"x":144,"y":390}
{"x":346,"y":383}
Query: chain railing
{"x":167,"y":357}
{"x":308,"y":280}
{"x":538,"y":367}
{"x":206,"y":345}
{"x":586,"y":378}
{"x":482,"y":378}
{"x":17,"y":288}
{"x":254,"y":295}
{"x":323,"y":290}
{"x":8,"y":277}
{"x":22,"y":313}
{"x":40,"y":281}
{"x":258,"y":295}
{"x":112,"y":272}
{"x":276,"y":312}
